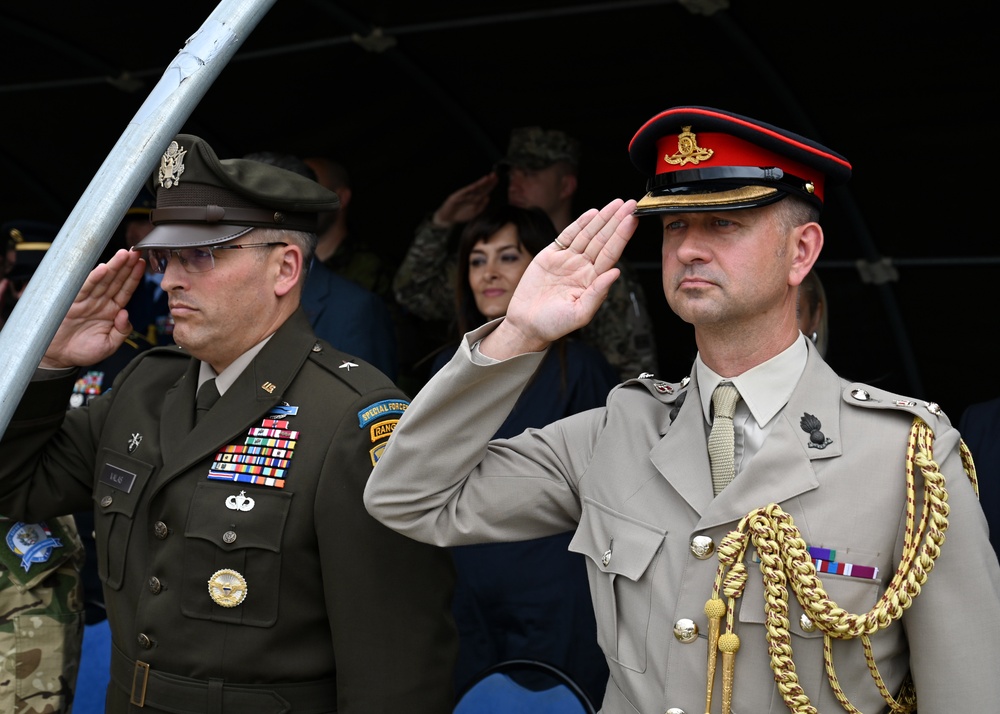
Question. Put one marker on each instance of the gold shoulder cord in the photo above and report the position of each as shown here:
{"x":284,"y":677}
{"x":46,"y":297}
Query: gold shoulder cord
{"x":785,"y":562}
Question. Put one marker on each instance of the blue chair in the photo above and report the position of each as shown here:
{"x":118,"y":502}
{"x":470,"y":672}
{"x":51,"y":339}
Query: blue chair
{"x":523,"y":686}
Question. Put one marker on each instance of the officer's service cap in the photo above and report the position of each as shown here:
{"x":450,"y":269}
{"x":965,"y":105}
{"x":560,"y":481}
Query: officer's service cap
{"x":534,"y":148}
{"x":704,"y":159}
{"x":31,"y":240}
{"x":204,"y":200}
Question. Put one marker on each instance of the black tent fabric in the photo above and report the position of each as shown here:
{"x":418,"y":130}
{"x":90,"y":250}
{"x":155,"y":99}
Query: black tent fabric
{"x":418,"y":98}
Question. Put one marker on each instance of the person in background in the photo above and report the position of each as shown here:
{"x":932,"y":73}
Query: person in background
{"x":528,"y":599}
{"x":240,"y":569}
{"x":349,"y":316}
{"x":41,"y":566}
{"x":541,"y":168}
{"x":761,"y":536}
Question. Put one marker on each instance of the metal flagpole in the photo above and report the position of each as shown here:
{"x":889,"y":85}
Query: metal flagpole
{"x":79,"y":243}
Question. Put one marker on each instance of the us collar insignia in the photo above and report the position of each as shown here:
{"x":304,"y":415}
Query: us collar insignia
{"x":133,"y":443}
{"x":688,"y":151}
{"x":262,"y":459}
{"x":172,"y":165}
{"x":811,"y":425}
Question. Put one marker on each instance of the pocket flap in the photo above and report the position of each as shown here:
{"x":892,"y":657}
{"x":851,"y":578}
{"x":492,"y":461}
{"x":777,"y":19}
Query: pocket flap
{"x":616,"y":543}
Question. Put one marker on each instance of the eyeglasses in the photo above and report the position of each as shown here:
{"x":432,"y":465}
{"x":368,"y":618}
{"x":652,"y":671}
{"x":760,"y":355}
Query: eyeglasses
{"x":195,"y":260}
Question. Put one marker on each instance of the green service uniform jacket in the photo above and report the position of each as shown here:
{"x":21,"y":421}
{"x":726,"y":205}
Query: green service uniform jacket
{"x":276,"y":592}
{"x":633,"y":480}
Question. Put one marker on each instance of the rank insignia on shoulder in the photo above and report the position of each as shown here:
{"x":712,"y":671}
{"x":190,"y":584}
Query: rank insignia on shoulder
{"x":380,"y":409}
{"x":347,"y":364}
{"x":262,"y":459}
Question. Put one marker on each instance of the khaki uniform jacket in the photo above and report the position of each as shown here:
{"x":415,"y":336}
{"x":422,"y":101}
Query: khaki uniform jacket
{"x":633,"y":480}
{"x":331,"y":596}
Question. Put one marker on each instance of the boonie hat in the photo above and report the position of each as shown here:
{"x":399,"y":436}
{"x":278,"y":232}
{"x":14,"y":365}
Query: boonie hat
{"x":705,"y":159}
{"x":202,"y":200}
{"x":534,"y":148}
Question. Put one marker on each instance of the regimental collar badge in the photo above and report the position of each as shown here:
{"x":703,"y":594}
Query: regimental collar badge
{"x":811,"y":425}
{"x":688,"y":151}
{"x":227,"y":588}
{"x":134,"y":441}
{"x":172,"y":165}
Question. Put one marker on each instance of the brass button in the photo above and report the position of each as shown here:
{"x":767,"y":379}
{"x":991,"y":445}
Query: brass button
{"x":106,"y":501}
{"x":702,"y":547}
{"x":685,"y":630}
{"x":229,"y":537}
{"x":160,"y":530}
{"x":861,"y":395}
{"x":807,"y":624}
{"x":154,"y":585}
{"x":676,"y":710}
{"x":144,"y":641}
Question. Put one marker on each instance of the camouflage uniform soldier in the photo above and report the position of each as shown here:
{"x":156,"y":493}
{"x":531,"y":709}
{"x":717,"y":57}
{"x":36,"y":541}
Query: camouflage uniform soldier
{"x":41,"y":615}
{"x":542,"y":170}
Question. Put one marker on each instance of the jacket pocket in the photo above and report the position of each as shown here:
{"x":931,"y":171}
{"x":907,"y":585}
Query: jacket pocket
{"x":236,"y":536}
{"x":119,"y":483}
{"x":621,"y":563}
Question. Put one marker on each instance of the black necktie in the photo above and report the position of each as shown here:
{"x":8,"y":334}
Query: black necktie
{"x":208,"y":395}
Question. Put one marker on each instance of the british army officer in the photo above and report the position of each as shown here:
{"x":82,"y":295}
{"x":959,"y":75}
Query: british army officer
{"x":819,"y":578}
{"x":240,"y":568}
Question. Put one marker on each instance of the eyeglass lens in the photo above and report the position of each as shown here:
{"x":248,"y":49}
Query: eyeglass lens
{"x":193,"y":260}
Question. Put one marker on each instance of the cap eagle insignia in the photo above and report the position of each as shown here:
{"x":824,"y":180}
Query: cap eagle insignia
{"x":172,"y":165}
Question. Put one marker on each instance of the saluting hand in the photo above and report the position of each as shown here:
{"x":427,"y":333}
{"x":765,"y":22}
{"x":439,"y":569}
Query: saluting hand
{"x":97,"y":322}
{"x":466,"y":203}
{"x":565,"y":283}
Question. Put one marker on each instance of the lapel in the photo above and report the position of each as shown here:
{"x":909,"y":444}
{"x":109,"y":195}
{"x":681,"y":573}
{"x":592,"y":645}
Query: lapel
{"x":781,"y":470}
{"x":255,"y":392}
{"x":681,"y":456}
{"x":783,"y":467}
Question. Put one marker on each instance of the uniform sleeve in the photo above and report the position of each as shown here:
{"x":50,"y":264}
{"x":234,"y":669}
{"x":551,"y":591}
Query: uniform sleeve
{"x":953,"y":625}
{"x":418,"y":284}
{"x":388,"y":597}
{"x":441,"y":480}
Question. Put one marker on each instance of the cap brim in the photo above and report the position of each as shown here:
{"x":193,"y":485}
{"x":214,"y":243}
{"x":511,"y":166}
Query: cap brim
{"x":190,"y":235}
{"x":726,"y":200}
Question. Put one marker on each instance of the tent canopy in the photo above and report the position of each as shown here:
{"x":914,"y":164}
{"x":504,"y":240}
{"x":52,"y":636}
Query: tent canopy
{"x":417,"y":99}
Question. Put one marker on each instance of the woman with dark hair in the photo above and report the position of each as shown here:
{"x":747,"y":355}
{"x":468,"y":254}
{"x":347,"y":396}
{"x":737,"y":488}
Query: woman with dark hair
{"x":530,"y":599}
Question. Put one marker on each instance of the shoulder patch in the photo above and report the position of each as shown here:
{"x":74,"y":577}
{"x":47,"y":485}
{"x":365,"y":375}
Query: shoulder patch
{"x":381,"y":410}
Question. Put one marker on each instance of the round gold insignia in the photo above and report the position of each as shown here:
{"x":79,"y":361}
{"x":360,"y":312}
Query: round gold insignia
{"x":227,"y":588}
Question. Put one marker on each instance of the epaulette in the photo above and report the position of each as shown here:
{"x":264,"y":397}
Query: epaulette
{"x":352,"y":371}
{"x":868,"y":397}
{"x":666,"y":392}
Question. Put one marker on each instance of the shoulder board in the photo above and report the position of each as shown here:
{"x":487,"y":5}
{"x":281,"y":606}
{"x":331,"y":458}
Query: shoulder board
{"x":868,"y":397}
{"x":664,"y":391}
{"x":353,"y":371}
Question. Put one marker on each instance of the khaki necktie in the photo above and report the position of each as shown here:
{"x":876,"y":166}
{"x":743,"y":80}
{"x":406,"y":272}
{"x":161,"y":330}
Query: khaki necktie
{"x":721,"y":442}
{"x":208,"y":395}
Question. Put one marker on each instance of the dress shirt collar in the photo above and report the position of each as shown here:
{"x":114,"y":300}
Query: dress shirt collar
{"x":225,"y":380}
{"x":765,"y":389}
